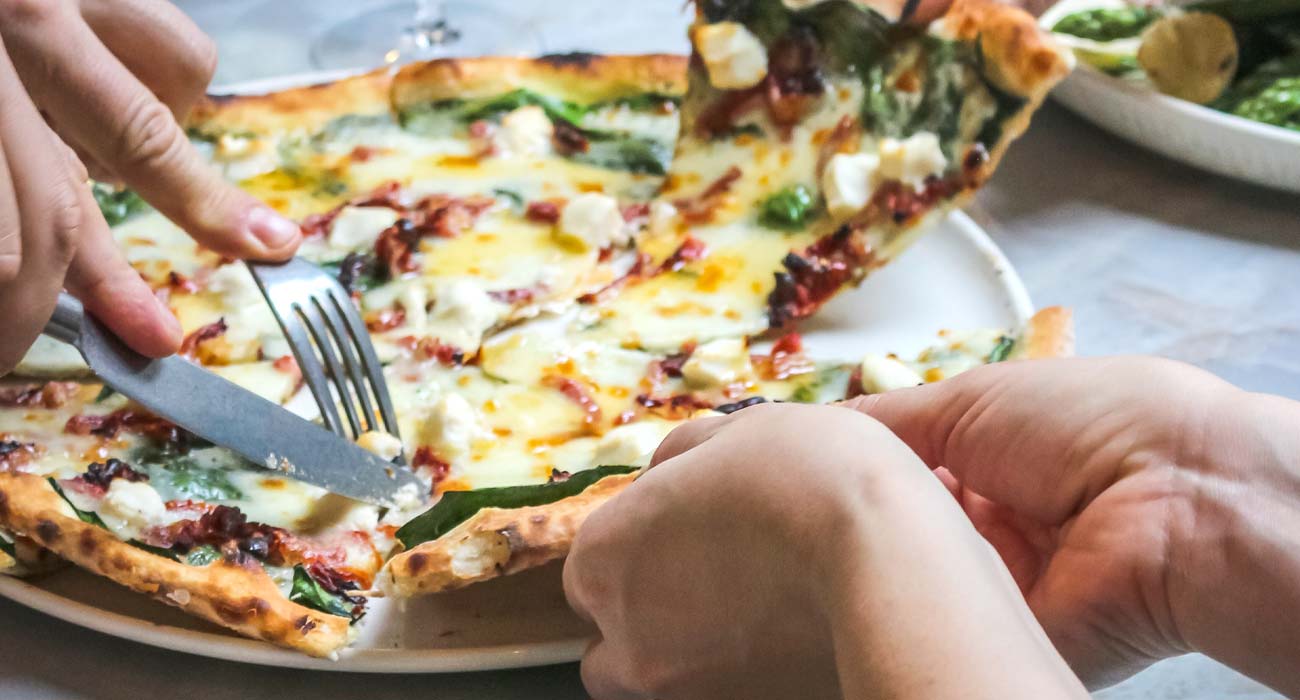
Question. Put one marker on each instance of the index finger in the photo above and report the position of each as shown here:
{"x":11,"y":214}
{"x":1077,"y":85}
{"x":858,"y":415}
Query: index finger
{"x":107,"y":112}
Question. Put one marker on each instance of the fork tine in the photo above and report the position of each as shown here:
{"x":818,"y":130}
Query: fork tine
{"x":369,"y":361}
{"x":346,"y":344}
{"x":311,"y":318}
{"x":311,"y":369}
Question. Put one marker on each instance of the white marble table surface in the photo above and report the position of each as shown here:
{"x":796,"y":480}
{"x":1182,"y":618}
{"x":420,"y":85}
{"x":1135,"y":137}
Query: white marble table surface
{"x":1154,"y":257}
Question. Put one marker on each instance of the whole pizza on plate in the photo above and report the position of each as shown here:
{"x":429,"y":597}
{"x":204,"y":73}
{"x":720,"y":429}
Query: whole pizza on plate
{"x":559,"y":260}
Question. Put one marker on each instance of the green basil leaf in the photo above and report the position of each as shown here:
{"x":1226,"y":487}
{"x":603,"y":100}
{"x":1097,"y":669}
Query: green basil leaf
{"x":203,"y":555}
{"x":104,"y":394}
{"x":788,"y":209}
{"x":522,"y":97}
{"x":621,"y":151}
{"x":84,"y":515}
{"x":455,"y":507}
{"x":1002,"y":350}
{"x":179,"y":477}
{"x":516,"y":199}
{"x":308,"y":592}
{"x":117,"y":205}
{"x":644,"y":102}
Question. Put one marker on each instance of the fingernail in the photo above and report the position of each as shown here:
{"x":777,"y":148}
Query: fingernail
{"x":273,"y":230}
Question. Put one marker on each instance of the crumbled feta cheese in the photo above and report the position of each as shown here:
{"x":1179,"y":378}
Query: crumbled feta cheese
{"x":131,"y":506}
{"x":664,"y":218}
{"x":881,"y":373}
{"x":734,"y":57}
{"x":383,"y":444}
{"x":911,"y":160}
{"x":630,"y":444}
{"x":234,"y":285}
{"x":849,"y":181}
{"x":415,"y":302}
{"x":718,"y":363}
{"x":452,"y":427}
{"x":462,"y":312}
{"x":242,"y":157}
{"x":592,"y":221}
{"x":358,"y":227}
{"x":526,"y":131}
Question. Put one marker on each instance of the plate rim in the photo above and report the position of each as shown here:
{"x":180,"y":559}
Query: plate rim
{"x":371,"y":660}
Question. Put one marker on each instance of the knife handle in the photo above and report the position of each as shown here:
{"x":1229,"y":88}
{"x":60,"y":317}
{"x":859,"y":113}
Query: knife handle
{"x":65,"y":324}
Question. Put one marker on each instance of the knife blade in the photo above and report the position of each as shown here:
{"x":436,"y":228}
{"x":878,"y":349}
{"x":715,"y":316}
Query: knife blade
{"x":230,"y":416}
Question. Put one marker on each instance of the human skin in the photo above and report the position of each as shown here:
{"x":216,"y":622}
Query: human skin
{"x":1145,"y":508}
{"x":100,"y":85}
{"x":799,"y":551}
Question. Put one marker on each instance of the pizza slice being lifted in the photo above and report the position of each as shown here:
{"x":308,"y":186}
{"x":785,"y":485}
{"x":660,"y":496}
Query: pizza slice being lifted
{"x":816,"y":144}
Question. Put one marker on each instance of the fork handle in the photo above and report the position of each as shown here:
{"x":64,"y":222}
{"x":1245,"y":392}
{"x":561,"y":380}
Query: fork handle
{"x":65,"y":324}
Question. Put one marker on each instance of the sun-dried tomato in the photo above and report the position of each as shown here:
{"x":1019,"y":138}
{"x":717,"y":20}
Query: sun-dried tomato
{"x":48,"y":395}
{"x":577,"y":393}
{"x":102,"y":474}
{"x":191,"y":343}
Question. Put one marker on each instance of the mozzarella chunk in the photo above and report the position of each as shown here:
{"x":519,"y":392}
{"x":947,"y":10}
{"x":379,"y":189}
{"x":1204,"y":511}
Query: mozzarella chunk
{"x":881,"y":374}
{"x":415,"y":302}
{"x":911,"y":160}
{"x":383,"y":444}
{"x":234,"y":285}
{"x":131,"y":506}
{"x":242,"y":157}
{"x":849,"y":181}
{"x":718,"y":363}
{"x":664,"y":218}
{"x":526,"y":131}
{"x":462,"y":312}
{"x":358,"y":227}
{"x":452,"y":427}
{"x":630,"y":444}
{"x":734,"y":57}
{"x":592,"y":221}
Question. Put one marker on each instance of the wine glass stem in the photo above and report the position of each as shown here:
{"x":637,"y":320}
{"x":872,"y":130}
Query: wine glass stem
{"x":430,"y":30}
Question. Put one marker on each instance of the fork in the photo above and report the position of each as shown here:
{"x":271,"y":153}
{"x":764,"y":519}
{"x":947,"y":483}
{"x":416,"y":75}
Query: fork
{"x":322,"y":324}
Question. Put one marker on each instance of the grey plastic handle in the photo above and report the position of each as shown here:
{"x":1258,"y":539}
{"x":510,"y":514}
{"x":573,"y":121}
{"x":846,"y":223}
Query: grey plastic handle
{"x":65,"y":324}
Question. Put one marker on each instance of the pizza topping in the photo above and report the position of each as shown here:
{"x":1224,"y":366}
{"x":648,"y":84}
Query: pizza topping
{"x":795,"y":81}
{"x":191,"y":344}
{"x":812,"y":278}
{"x":48,"y":395}
{"x":786,"y":359}
{"x":432,"y":349}
{"x":881,"y":373}
{"x":734,"y":57}
{"x":543,"y":212}
{"x":788,"y":209}
{"x":131,"y":420}
{"x":690,"y":250}
{"x":699,"y":209}
{"x":130,"y":506}
{"x":452,"y":427}
{"x":674,"y":408}
{"x":355,"y":228}
{"x":380,"y":443}
{"x":569,"y":139}
{"x":424,"y":460}
{"x":396,"y":246}
{"x":102,"y":474}
{"x":578,"y":394}
{"x":912,"y":160}
{"x":14,"y":455}
{"x":630,"y":444}
{"x":847,"y":182}
{"x":358,"y":272}
{"x":718,"y":363}
{"x":462,"y":313}
{"x":525,"y":131}
{"x":592,"y":221}
{"x":385,"y":319}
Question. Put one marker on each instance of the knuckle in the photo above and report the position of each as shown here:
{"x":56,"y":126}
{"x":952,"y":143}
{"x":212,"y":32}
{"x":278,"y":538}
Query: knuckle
{"x":30,"y":11}
{"x":66,"y":220}
{"x":150,"y":137}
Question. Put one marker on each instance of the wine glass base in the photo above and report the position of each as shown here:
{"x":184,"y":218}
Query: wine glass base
{"x":384,"y":35}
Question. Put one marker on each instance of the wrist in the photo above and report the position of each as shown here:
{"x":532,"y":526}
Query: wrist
{"x":1234,"y":566}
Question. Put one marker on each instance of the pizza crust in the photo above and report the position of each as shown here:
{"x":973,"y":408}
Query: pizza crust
{"x":496,"y":542}
{"x":580,"y":76}
{"x":243,"y":600}
{"x":1019,"y":56}
{"x":307,"y":108}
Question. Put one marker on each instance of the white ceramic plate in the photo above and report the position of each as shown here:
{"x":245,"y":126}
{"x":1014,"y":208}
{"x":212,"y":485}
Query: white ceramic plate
{"x":1199,"y":136}
{"x":953,"y":278}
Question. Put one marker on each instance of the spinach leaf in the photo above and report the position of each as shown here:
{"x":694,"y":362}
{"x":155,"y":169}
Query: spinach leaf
{"x":620,"y":151}
{"x":516,"y":199}
{"x":644,"y":102}
{"x":181,"y":476}
{"x":308,"y":592}
{"x":203,"y":555}
{"x":788,"y":209}
{"x":853,"y":37}
{"x":8,"y":548}
{"x":830,"y":384}
{"x":1002,"y":350}
{"x":85,"y":516}
{"x":494,"y":106}
{"x":767,"y":19}
{"x":105,"y":394}
{"x":455,"y":507}
{"x":117,"y":205}
{"x":1107,"y":24}
{"x":357,"y":272}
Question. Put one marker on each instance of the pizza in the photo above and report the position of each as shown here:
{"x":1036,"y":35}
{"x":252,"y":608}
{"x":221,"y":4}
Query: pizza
{"x":559,"y":260}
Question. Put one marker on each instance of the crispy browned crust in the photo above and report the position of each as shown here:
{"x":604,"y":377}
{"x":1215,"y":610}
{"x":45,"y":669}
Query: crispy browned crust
{"x":1049,"y":333}
{"x":298,"y":109}
{"x":497,"y":542}
{"x":1019,"y":56}
{"x":580,"y":77}
{"x":31,"y":560}
{"x":246,"y":601}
